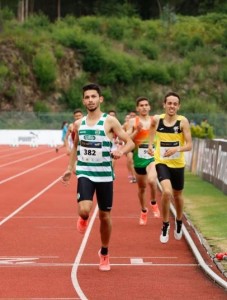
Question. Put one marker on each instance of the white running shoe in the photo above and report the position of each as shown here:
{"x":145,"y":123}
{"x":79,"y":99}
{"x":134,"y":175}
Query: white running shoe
{"x":164,"y":237}
{"x":178,"y":230}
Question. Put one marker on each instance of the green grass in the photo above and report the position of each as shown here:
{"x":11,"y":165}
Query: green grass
{"x":206,"y":207}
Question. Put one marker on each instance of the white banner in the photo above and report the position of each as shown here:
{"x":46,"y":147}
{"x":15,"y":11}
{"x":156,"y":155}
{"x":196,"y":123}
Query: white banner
{"x":30,"y":137}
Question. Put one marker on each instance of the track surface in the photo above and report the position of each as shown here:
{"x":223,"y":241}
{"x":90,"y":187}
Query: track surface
{"x":42,"y":256}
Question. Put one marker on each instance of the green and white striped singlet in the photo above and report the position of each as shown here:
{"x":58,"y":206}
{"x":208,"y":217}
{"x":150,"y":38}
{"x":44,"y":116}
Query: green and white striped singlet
{"x":94,"y":161}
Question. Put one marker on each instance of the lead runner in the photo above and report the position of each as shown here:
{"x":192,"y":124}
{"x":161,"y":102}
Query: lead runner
{"x":92,"y":148}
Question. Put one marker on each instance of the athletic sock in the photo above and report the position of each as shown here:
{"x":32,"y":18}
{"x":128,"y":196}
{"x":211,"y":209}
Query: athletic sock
{"x":165,"y":224}
{"x":179,"y":225}
{"x":104,"y":251}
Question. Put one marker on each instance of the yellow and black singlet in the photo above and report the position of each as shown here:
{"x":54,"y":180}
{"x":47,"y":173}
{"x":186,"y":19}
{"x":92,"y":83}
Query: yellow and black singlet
{"x":167,"y":137}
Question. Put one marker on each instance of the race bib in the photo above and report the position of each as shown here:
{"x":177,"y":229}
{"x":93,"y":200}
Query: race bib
{"x":91,"y":151}
{"x":143,"y":151}
{"x":164,"y":146}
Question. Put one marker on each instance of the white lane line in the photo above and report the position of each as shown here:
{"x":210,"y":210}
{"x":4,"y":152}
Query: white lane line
{"x":136,"y":261}
{"x":29,"y":201}
{"x":45,"y":217}
{"x":162,"y":257}
{"x":24,"y":158}
{"x":32,"y":264}
{"x":50,"y":298}
{"x":16,"y":153}
{"x":79,"y":255}
{"x":145,"y":264}
{"x":30,"y":170}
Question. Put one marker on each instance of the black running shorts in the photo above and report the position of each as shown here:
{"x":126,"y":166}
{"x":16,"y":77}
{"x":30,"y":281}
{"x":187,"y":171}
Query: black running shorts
{"x":175,"y":175}
{"x":140,"y":171}
{"x":104,"y":192}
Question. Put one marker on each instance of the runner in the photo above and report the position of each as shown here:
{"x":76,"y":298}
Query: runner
{"x":93,"y":141}
{"x":69,"y":137}
{"x":173,"y":137}
{"x":139,"y":129}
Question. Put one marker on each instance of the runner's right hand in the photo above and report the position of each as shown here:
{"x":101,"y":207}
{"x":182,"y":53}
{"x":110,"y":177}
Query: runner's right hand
{"x":66,"y":177}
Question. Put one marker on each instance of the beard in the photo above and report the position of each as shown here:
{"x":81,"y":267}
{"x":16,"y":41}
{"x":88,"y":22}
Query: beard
{"x":91,"y":109}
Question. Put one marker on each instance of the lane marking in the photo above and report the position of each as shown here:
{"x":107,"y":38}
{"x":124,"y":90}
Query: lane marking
{"x":29,"y":201}
{"x":24,"y":158}
{"x":17,"y":153}
{"x":146,"y":264}
{"x":45,"y":217}
{"x":79,"y":255}
{"x":165,"y":257}
{"x":31,"y":169}
{"x":46,"y":298}
{"x":136,"y":261}
{"x":40,"y":264}
{"x":17,"y":260}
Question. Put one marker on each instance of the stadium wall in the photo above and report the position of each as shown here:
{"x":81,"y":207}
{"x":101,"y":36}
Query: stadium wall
{"x":208,"y":159}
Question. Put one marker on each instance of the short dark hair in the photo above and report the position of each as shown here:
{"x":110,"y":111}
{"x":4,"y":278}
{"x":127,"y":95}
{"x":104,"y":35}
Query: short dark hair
{"x":78,"y":110}
{"x":92,"y":86}
{"x":112,"y":110}
{"x":63,"y":124}
{"x":171,"y":94}
{"x":141,"y":98}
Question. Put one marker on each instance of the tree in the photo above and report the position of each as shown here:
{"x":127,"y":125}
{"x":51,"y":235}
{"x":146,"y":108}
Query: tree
{"x":58,"y":9}
{"x":23,"y":8}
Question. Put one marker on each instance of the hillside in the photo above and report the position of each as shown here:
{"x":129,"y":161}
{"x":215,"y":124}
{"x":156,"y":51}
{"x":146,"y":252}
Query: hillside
{"x":43,"y":65}
{"x":20,"y":89}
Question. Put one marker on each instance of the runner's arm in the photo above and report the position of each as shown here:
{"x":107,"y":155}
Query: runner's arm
{"x":73,"y":156}
{"x":185,"y":127}
{"x":153,"y":128}
{"x":122,"y":135}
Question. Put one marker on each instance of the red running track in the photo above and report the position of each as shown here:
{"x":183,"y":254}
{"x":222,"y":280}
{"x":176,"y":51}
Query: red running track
{"x":42,"y":256}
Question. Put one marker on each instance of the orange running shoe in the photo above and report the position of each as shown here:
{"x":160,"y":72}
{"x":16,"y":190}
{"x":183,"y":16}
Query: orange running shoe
{"x":104,"y":262}
{"x":155,"y":210}
{"x":143,"y":218}
{"x":82,"y":225}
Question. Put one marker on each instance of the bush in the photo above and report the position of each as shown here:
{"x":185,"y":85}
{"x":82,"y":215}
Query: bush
{"x":197,"y":56}
{"x":184,"y":43}
{"x":149,"y":49}
{"x":92,"y":24}
{"x":73,"y":96}
{"x":115,"y":29}
{"x":4,"y":71}
{"x":223,"y":72}
{"x":69,"y":36}
{"x":45,"y":68}
{"x":93,"y":55}
{"x":125,"y":104}
{"x":155,"y":72}
{"x":59,"y":52}
{"x":111,"y":8}
{"x":35,"y":22}
{"x":6,"y":14}
{"x":177,"y":71}
{"x":40,"y":107}
{"x":202,"y":131}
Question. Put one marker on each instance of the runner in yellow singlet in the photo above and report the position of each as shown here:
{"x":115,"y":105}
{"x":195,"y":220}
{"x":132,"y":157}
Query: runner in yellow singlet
{"x":172,"y":138}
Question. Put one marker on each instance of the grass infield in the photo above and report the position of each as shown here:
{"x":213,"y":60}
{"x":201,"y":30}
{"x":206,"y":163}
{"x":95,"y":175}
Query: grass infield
{"x":206,"y":207}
